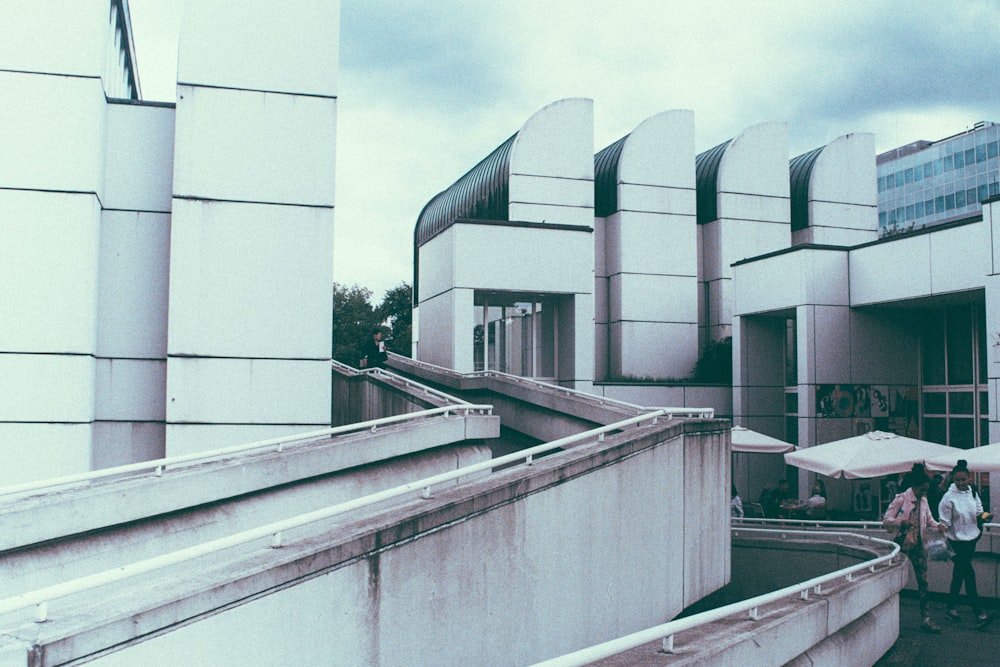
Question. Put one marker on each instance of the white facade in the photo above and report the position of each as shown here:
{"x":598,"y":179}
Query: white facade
{"x":166,"y":269}
{"x":834,"y":331}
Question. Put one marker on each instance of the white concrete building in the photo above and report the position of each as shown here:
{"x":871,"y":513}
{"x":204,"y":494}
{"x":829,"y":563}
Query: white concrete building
{"x":834,"y":330}
{"x":165,"y":269}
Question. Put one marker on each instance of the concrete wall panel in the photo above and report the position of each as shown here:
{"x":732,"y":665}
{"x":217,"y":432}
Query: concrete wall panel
{"x":520,"y":258}
{"x":248,"y":391}
{"x":47,"y":388}
{"x":72,"y":40}
{"x":122,"y":443}
{"x":33,"y":452}
{"x":845,"y":172}
{"x":254,"y":147}
{"x":653,"y":349}
{"x":134,"y":270}
{"x":652,"y":243}
{"x":831,"y":344}
{"x":891,"y":271}
{"x":960,"y":258}
{"x":530,"y":189}
{"x":660,"y":151}
{"x":48,"y":270}
{"x":130,"y":389}
{"x":653,"y":298}
{"x":139,"y":157}
{"x":552,"y":213}
{"x":289,"y":47}
{"x":250,"y":280}
{"x":437,"y":265}
{"x":557,"y":141}
{"x":656,"y":199}
{"x":51,"y":132}
{"x":435,"y":335}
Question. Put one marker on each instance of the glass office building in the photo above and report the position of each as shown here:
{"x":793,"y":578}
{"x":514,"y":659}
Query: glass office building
{"x":927,"y":183}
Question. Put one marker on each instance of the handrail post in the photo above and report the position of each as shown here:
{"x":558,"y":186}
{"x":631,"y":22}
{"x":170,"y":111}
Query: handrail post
{"x":41,"y":612}
{"x":668,"y":644}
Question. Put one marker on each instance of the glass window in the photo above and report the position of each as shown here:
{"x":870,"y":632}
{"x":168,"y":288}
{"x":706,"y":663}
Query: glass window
{"x":984,"y":402}
{"x":908,"y":175}
{"x":959,"y":160}
{"x":928,"y":170}
{"x":929,"y":207}
{"x":881,"y":183}
{"x":919,"y":209}
{"x":949,"y":202}
{"x":981,"y":153}
{"x":881,"y":219}
{"x":947,"y":163}
{"x":995,"y":188}
{"x":934,"y":430}
{"x":918,"y":174}
{"x":960,"y":199}
{"x":900,"y":214}
{"x":970,"y":196}
{"x":892,"y":217}
{"x":970,"y":156}
{"x":959,"y":339}
{"x":937,"y":167}
{"x":899,"y":179}
{"x":962,"y":432}
{"x":991,"y":149}
{"x":939,"y":204}
{"x":934,"y":403}
{"x":984,"y":434}
{"x":909,"y":212}
{"x":933,"y":349}
{"x":890,"y":182}
{"x":981,"y":193}
{"x":791,"y":402}
{"x":961,"y":403}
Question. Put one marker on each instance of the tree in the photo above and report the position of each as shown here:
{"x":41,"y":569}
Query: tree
{"x":354,"y":318}
{"x":396,"y":312}
{"x":353,"y":321}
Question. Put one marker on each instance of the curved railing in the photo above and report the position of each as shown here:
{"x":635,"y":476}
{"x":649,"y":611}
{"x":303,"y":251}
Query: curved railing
{"x":666,"y":631}
{"x":40,"y":598}
{"x":158,"y":466}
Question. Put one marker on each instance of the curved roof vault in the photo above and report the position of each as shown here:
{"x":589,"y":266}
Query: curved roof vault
{"x":606,"y":178}
{"x":480,"y":194}
{"x":800,"y":171}
{"x":706,"y":167}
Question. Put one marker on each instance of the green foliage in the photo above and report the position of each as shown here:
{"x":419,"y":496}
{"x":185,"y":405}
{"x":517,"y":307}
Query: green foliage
{"x":354,"y":318}
{"x":716,"y":363}
{"x":396,"y":313}
{"x":353,"y":321}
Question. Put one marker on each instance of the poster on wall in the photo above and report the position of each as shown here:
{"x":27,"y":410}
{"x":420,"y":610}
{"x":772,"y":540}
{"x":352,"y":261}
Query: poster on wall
{"x":903,"y":411}
{"x":835,"y":400}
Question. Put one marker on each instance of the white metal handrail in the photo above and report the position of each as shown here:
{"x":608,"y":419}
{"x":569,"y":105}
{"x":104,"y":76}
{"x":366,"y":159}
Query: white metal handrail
{"x":691,"y":413}
{"x":159,"y":465}
{"x":764,"y":522}
{"x":666,"y":631}
{"x":41,"y":597}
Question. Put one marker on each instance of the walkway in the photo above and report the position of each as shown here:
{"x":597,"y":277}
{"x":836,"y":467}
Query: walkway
{"x":958,"y":645}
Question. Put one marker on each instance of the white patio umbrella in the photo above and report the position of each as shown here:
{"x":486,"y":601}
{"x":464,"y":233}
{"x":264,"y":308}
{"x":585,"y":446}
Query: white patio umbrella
{"x":745,"y":440}
{"x":871,"y":454}
{"x":981,"y":459}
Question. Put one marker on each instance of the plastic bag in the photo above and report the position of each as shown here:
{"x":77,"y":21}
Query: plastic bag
{"x":938,"y":549}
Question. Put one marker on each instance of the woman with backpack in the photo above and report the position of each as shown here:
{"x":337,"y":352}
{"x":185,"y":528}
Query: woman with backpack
{"x":961,"y":511}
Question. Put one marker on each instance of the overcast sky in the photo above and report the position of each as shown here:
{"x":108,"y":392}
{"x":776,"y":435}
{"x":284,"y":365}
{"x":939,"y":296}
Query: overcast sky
{"x":427,"y":89}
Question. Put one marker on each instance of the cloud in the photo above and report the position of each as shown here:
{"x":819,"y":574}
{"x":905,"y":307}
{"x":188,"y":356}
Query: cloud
{"x":427,"y":89}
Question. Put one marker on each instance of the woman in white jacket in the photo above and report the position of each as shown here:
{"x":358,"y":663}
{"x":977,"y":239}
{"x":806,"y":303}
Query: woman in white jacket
{"x":959,"y":510}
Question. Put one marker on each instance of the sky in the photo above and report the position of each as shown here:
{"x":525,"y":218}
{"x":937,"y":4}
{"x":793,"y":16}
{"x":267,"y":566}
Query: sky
{"x":428,"y":89}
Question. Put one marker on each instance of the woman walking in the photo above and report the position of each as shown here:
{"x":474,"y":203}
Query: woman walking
{"x":907,"y":518}
{"x":960,"y":510}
